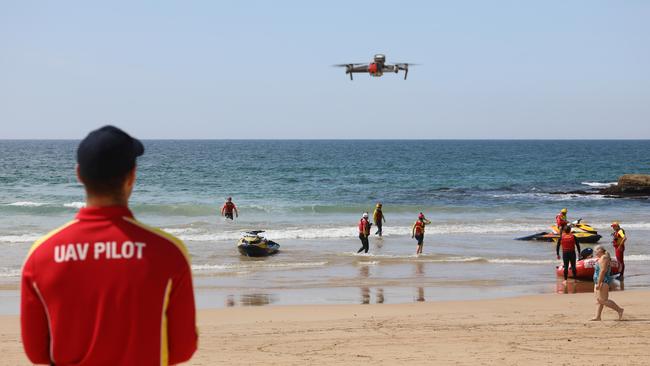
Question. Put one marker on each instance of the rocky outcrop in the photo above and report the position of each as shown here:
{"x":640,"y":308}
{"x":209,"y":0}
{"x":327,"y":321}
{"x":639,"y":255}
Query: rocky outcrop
{"x":629,"y":185}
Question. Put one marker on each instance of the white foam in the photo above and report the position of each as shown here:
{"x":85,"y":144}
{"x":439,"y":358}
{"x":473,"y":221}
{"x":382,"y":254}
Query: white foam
{"x":76,"y":205}
{"x":22,"y":238}
{"x":26,"y":204}
{"x":637,"y":258}
{"x":7,"y":272}
{"x":599,"y":184}
{"x":521,"y":261}
{"x":228,"y":267}
{"x":343,"y":232}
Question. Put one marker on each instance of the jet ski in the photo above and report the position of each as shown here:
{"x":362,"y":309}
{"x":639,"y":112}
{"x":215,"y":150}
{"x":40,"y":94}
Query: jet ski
{"x":583,"y":232}
{"x":254,"y":244}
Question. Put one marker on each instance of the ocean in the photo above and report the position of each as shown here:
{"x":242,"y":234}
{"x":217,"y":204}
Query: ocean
{"x":309,"y":195}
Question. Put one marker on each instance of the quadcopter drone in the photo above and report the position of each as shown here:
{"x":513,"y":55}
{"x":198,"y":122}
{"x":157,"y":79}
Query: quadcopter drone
{"x":376,"y":68}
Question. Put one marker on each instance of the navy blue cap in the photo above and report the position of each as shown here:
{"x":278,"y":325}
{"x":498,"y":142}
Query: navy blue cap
{"x":107,"y":152}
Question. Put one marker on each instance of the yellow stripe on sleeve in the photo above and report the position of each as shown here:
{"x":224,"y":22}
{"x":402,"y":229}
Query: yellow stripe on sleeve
{"x":164,"y":345}
{"x":176,"y":241}
{"x":44,"y":238}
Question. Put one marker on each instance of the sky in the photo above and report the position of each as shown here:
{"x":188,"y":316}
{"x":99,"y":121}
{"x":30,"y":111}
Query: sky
{"x":263,"y":69}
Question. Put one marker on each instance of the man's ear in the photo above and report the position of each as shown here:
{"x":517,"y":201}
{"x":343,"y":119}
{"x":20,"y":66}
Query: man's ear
{"x":130,"y":179}
{"x":79,"y":174}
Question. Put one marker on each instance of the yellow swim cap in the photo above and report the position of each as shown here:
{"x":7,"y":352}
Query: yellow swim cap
{"x":615,"y":224}
{"x":563,"y":210}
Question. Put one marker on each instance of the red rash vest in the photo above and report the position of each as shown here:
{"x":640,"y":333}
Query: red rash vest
{"x":105,"y":289}
{"x":568,"y":243}
{"x":228,"y":207}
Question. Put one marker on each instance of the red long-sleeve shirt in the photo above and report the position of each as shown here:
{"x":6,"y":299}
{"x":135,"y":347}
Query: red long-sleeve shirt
{"x":107,"y":290}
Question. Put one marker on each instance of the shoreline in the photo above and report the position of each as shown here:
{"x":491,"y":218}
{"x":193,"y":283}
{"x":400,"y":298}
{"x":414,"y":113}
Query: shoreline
{"x":537,"y":329}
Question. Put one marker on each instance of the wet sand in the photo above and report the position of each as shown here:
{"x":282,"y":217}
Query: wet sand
{"x":546,"y":329}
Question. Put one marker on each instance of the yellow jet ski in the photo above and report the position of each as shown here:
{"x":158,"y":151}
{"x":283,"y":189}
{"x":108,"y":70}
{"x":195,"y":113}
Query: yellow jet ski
{"x":253,"y":244}
{"x":583,"y":232}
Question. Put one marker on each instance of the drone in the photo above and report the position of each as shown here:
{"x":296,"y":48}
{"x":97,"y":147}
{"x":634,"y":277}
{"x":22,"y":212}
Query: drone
{"x":376,"y":68}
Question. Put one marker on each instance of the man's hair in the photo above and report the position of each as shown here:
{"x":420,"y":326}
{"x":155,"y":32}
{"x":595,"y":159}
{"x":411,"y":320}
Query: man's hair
{"x":111,"y":186}
{"x":567,"y":229}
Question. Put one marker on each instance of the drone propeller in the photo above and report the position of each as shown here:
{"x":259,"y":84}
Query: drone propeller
{"x":348,"y":68}
{"x":404,"y":66}
{"x":350,"y":64}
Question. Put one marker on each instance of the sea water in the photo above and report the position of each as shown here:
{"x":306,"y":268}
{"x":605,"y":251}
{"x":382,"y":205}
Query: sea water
{"x":309,"y":196}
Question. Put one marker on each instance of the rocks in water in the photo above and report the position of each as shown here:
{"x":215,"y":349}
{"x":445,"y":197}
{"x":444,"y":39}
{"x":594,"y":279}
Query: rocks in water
{"x":629,"y":185}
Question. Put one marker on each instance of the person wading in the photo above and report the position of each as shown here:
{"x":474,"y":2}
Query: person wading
{"x":228,"y":209}
{"x":364,"y":232}
{"x":378,"y":217}
{"x":417,"y":231}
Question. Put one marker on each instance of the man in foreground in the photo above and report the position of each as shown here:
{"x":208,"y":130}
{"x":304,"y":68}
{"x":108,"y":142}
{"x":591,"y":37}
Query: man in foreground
{"x":105,"y":289}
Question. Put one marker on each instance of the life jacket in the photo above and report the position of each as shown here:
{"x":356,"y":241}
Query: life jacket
{"x":560,"y":220}
{"x":568,"y":242}
{"x":419,"y":227}
{"x":377,"y":215}
{"x":364,"y":228}
{"x":618,"y":237}
{"x":228,"y":207}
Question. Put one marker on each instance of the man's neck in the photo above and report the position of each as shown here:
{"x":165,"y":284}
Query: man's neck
{"x":104,"y":201}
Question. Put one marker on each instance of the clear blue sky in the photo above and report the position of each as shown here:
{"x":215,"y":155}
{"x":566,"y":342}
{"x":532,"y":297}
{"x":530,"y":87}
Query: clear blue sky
{"x":261,"y":69}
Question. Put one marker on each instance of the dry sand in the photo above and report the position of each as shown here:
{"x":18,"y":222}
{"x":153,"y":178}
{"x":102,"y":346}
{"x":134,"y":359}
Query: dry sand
{"x":534,"y":330}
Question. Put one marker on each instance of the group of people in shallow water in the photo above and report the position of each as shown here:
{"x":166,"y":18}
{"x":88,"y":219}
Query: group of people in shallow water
{"x":602,"y":268}
{"x":567,"y":241}
{"x":417,"y":230}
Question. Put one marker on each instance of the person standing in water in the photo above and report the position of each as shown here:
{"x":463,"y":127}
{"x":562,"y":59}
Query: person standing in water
{"x":364,"y":232}
{"x":228,"y":209}
{"x":602,"y":281}
{"x":618,"y":241}
{"x":378,"y":217}
{"x":569,"y":243}
{"x":417,"y":231}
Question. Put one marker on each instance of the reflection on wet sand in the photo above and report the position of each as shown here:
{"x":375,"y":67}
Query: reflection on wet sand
{"x":419,"y":274}
{"x":364,"y":273}
{"x":577,"y":287}
{"x":250,"y":300}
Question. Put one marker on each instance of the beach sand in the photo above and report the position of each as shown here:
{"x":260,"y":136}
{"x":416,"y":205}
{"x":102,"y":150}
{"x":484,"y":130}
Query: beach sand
{"x":546,"y":329}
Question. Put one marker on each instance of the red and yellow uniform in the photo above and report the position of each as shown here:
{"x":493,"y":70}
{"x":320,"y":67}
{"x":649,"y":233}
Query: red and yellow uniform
{"x":364,"y":227}
{"x":107,"y":290}
{"x":561,"y":220}
{"x":418,"y":227}
{"x":618,"y":242}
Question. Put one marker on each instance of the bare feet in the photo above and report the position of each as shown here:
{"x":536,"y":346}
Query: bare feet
{"x":595,"y":319}
{"x":620,"y":314}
